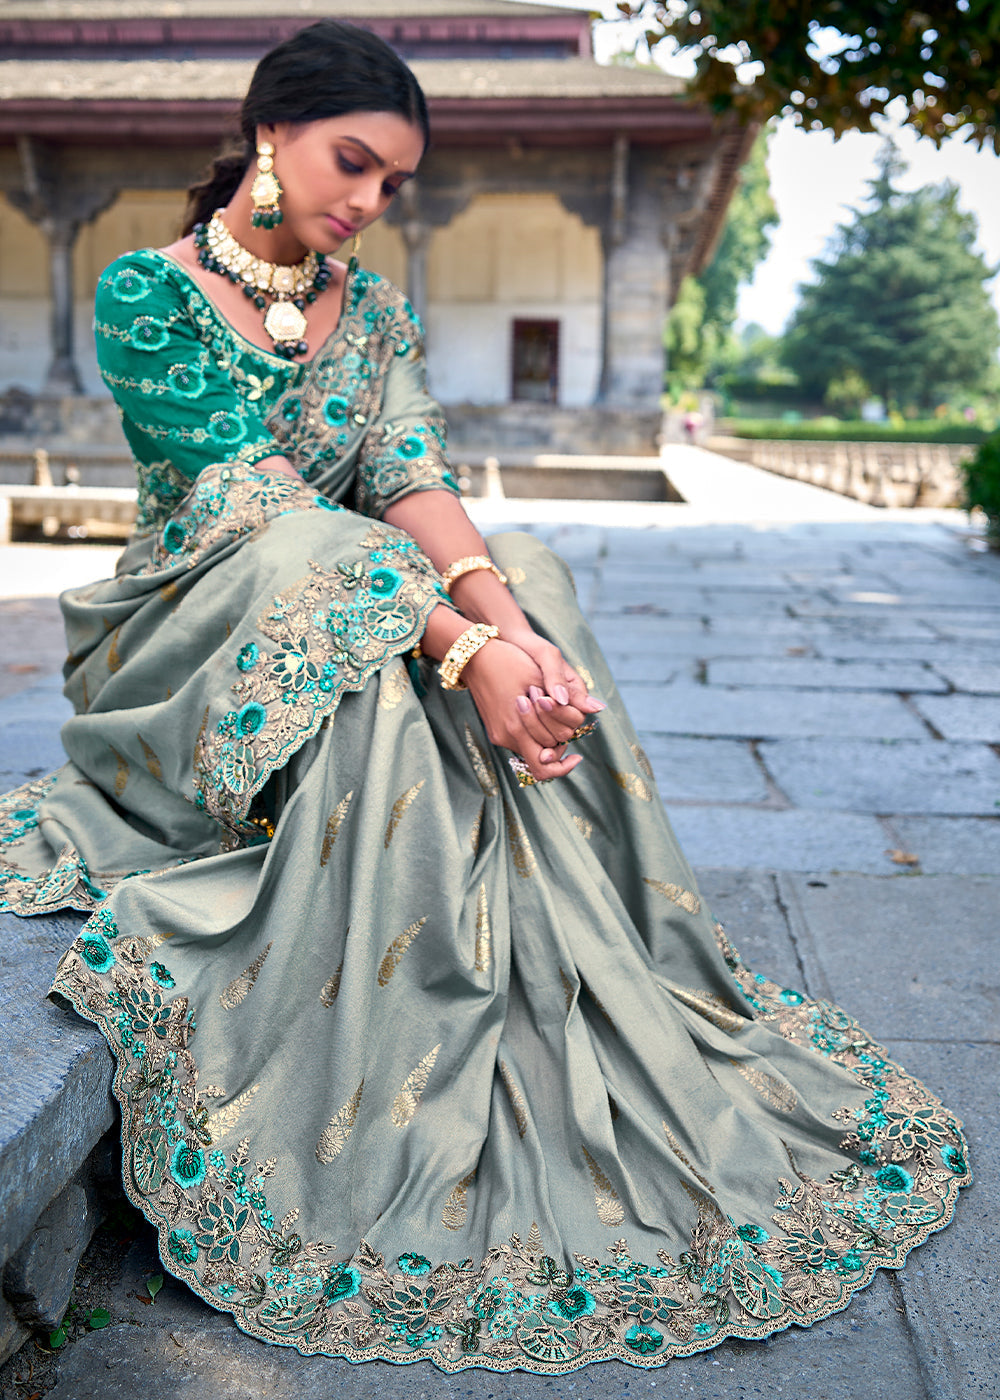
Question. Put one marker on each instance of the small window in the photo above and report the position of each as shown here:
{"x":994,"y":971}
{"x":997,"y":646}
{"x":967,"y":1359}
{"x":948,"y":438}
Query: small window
{"x":535,"y":361}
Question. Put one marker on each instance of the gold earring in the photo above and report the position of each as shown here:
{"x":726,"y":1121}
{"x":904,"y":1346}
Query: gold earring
{"x":352,"y":266}
{"x":266,"y":190}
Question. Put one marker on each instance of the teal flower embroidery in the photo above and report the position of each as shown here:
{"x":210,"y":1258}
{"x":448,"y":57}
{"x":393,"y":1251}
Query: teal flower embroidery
{"x":227,"y":1290}
{"x":790,"y":997}
{"x":291,"y":410}
{"x":893,"y":1178}
{"x":187,"y":1165}
{"x":226,"y":427}
{"x":335,"y":410}
{"x":753,"y":1234}
{"x":129,"y":285}
{"x":252,"y":718}
{"x":576,"y":1303}
{"x":104,"y":923}
{"x":414,"y":1264}
{"x":174,"y":537}
{"x":248,"y":656}
{"x":953,"y":1160}
{"x":645,"y":1340}
{"x":161,"y":974}
{"x":181,"y":1246}
{"x":148,"y":333}
{"x":342,"y":1282}
{"x":96,"y":953}
{"x":186,"y":380}
{"x":325,"y":503}
{"x":411,"y":447}
{"x":776,"y":1276}
{"x":385,"y":583}
{"x":703,"y":1329}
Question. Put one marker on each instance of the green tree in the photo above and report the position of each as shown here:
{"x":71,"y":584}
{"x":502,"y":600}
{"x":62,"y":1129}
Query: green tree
{"x":837,"y":64}
{"x":699,"y":332}
{"x":899,"y":300}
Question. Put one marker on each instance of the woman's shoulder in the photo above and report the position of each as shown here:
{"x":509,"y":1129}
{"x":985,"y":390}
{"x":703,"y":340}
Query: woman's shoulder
{"x":141,"y":276}
{"x":371,"y":292}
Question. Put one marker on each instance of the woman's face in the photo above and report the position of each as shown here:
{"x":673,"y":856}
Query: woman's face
{"x":339,"y":174}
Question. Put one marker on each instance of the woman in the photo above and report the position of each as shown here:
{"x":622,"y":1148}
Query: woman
{"x":416,"y":1056}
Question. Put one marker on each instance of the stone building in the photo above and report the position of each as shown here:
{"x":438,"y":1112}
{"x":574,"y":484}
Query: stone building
{"x":560,"y":206}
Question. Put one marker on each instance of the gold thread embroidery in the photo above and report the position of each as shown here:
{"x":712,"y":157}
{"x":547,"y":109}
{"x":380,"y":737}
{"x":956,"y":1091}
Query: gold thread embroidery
{"x":477,"y":827}
{"x":168,"y":592}
{"x":331,"y":988}
{"x":775,"y":1094}
{"x":516,"y":1099}
{"x":121,"y":775}
{"x":641,"y":757}
{"x":399,"y":807}
{"x":229,"y":631}
{"x":396,"y":949}
{"x":212,"y":1091}
{"x":535,"y":1237}
{"x":610,"y":1210}
{"x":152,"y":762}
{"x":199,"y":741}
{"x":456,"y":1208}
{"x":598,"y":1004}
{"x":683,"y":898}
{"x":520,"y":847}
{"x":569,"y":991}
{"x":114,"y":659}
{"x":632,"y":784}
{"x":483,"y":932}
{"x":585,"y":827}
{"x":241,"y":987}
{"x":482,"y":767}
{"x":675,"y":1147}
{"x":407,"y":1101}
{"x":333,"y":827}
{"x":333,"y":1138}
{"x":713,"y":1007}
{"x":394,"y":685}
{"x":586,"y":677}
{"x":86,"y":696}
{"x":516,"y":576}
{"x":225,"y":1119}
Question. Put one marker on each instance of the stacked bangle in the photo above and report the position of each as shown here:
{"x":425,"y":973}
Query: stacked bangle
{"x":472,"y":563}
{"x":461,"y":652}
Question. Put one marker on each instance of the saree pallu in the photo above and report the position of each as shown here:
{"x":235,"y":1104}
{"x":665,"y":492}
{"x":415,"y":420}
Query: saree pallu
{"x":413,"y":1062}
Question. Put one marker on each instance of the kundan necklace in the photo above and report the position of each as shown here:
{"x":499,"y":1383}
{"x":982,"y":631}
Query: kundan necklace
{"x":281,"y":291}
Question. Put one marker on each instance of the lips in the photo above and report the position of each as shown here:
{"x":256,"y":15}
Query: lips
{"x":341,"y":229}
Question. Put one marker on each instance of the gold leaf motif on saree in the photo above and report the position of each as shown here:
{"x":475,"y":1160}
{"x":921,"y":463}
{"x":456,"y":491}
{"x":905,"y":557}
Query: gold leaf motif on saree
{"x":333,"y":827}
{"x":477,"y":827}
{"x":396,"y":949}
{"x":225,"y":1119}
{"x":483,"y":932}
{"x":399,"y":807}
{"x":712,"y":1006}
{"x":610,"y":1211}
{"x":240,"y":987}
{"x":114,"y":658}
{"x":585,"y":827}
{"x":641,"y":757}
{"x":122,"y":771}
{"x":331,"y":987}
{"x":481,"y":765}
{"x":775,"y":1092}
{"x":569,"y":991}
{"x":632,"y":784}
{"x":520,"y":847}
{"x":407,"y":1101}
{"x":333,"y":1138}
{"x":152,"y":762}
{"x":516,"y":1099}
{"x":681,"y":1156}
{"x":684,"y":899}
{"x":456,"y":1208}
{"x":393,"y":686}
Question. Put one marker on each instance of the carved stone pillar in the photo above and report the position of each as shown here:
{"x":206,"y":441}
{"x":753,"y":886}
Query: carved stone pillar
{"x":416,"y":237}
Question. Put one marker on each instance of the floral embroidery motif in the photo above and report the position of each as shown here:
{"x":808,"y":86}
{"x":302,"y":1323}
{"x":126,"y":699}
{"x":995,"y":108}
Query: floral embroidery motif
{"x":331,"y":631}
{"x":66,"y":884}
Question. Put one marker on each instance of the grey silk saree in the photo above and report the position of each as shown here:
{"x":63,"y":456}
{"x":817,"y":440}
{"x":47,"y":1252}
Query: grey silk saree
{"x":412,"y":1062}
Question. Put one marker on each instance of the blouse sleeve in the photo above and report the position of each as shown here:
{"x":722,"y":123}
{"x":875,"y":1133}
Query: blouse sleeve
{"x":184,"y":402}
{"x":406,"y":449}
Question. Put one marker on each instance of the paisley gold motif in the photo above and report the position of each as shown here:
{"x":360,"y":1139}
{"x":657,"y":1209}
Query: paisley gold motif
{"x":640,"y":756}
{"x":168,"y":592}
{"x":610,"y":1210}
{"x":483,"y":932}
{"x":399,"y":807}
{"x":632,"y":784}
{"x":585,"y":827}
{"x":456,"y":1208}
{"x":331,"y":988}
{"x":396,"y":949}
{"x":684,"y":899}
{"x":225,"y":1119}
{"x":241,"y":986}
{"x":775,"y":1093}
{"x":333,"y":827}
{"x":520,"y":848}
{"x":122,"y":771}
{"x":477,"y":827}
{"x":333,"y":1138}
{"x":516,"y":1099}
{"x":713,"y":1007}
{"x":393,"y":686}
{"x":114,"y":659}
{"x":407,"y":1101}
{"x":152,"y":762}
{"x":481,"y":765}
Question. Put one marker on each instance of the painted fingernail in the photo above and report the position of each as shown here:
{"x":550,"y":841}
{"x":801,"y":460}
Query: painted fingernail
{"x":575,"y":762}
{"x":546,"y":756}
{"x":534,"y":693}
{"x":596,"y":706}
{"x":544,"y":703}
{"x":523,"y":704}
{"x":561,"y":694}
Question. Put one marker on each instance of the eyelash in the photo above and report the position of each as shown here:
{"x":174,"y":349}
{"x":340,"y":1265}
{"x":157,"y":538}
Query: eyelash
{"x":350,"y":168}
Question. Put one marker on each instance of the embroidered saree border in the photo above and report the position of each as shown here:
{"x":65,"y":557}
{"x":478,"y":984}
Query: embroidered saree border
{"x":518,"y":1309}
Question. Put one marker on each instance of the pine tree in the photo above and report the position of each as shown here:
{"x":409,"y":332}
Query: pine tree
{"x":899,"y":299}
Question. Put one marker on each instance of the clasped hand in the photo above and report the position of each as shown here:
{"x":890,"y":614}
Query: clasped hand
{"x":530,"y":700}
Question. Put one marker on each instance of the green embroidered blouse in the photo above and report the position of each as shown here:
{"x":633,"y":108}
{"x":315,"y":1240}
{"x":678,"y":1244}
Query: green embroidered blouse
{"x":192,"y":392}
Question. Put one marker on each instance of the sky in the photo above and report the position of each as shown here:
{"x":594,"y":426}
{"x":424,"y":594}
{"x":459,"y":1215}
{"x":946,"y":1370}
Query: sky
{"x":815,"y":181}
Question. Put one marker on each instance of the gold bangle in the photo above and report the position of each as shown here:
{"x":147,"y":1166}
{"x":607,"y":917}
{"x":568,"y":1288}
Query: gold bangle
{"x":461,"y":652}
{"x":472,"y":563}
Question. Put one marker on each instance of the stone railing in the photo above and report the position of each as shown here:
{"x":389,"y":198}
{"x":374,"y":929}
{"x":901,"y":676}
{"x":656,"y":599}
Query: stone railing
{"x":878,"y":473}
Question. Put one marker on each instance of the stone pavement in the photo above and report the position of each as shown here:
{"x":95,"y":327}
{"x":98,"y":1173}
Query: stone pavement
{"x":818,"y":687}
